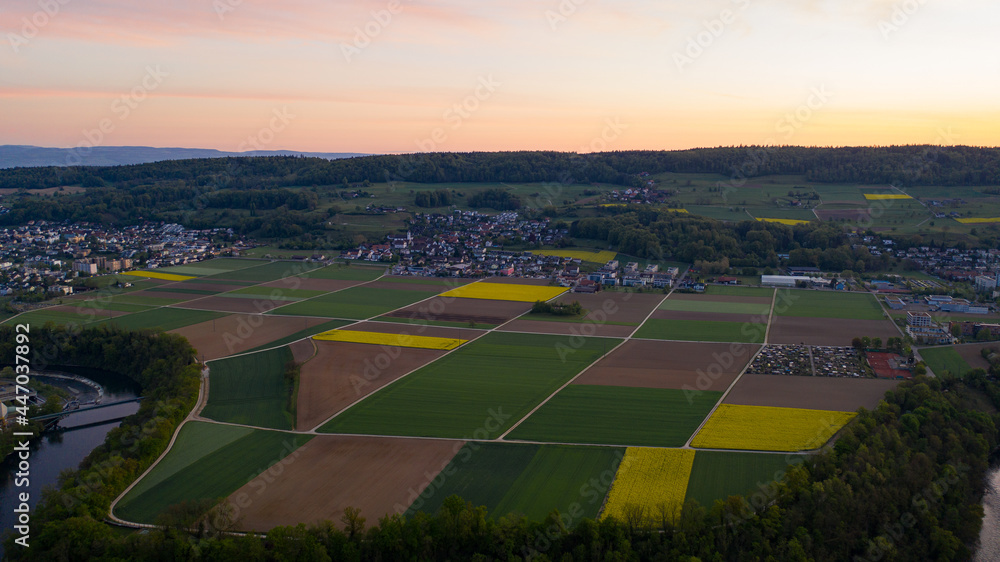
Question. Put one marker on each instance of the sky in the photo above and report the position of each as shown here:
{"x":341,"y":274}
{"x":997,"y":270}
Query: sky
{"x":392,"y":76}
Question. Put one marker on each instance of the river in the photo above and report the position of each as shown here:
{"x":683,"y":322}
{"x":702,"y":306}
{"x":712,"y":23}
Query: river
{"x":64,"y":448}
{"x":989,"y":537}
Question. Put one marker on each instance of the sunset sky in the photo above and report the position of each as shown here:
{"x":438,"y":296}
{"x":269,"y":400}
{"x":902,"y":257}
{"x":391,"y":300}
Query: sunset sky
{"x":573,"y":75}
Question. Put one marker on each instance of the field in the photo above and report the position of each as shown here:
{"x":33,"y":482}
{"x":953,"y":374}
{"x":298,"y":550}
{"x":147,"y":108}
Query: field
{"x":240,"y":333}
{"x":761,"y":428}
{"x":594,"y":256}
{"x":739,"y":291}
{"x":828,"y":304}
{"x":343,"y":373}
{"x":702,"y":330}
{"x":165,"y":319}
{"x":505,"y":292}
{"x":251,"y":389}
{"x":716,"y":475}
{"x":650,"y":485}
{"x":397,"y":340}
{"x":265,"y":272}
{"x":526,"y":479}
{"x":787,"y":222}
{"x":57,"y":315}
{"x":275,"y":293}
{"x":611,"y":415}
{"x":827,"y":331}
{"x":481,"y":388}
{"x":811,"y":393}
{"x":211,"y":267}
{"x":677,"y":365}
{"x":356,"y":303}
{"x":194,"y":475}
{"x":159,"y":275}
{"x":714,"y":306}
{"x":380,"y":476}
{"x":346,"y":273}
{"x":941,"y":359}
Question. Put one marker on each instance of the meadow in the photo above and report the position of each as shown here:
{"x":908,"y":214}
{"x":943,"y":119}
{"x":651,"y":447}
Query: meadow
{"x":701,"y":330}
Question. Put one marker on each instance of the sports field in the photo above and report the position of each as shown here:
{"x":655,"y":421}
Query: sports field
{"x":599,"y":414}
{"x":478,"y":390}
{"x":944,"y":359}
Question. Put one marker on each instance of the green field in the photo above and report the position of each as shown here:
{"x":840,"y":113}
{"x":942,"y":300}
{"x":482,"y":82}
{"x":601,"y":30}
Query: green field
{"x":346,"y":273}
{"x":716,"y":306}
{"x":41,"y":316}
{"x":137,"y":299}
{"x":701,"y":330}
{"x":941,"y":359}
{"x":265,"y":271}
{"x":275,"y":293}
{"x":828,"y":304}
{"x":301,"y":334}
{"x":477,"y":391}
{"x":180,"y":289}
{"x":718,"y":475}
{"x":732,"y":213}
{"x":111,"y":305}
{"x":165,"y":319}
{"x":356,"y":303}
{"x":251,"y":389}
{"x":210,"y":267}
{"x":614,"y":415}
{"x":531,"y":480}
{"x":213,"y":476}
{"x":739,"y":291}
{"x":444,"y":323}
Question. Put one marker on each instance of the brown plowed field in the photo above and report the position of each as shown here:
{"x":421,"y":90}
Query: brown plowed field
{"x":568,"y":328}
{"x":166,"y":295}
{"x":609,"y":306}
{"x":235,"y":304}
{"x":711,"y":316}
{"x":214,"y":287}
{"x":302,"y":350}
{"x":720,"y":298}
{"x":342,"y":373}
{"x":328,"y":285}
{"x":416,"y":330}
{"x":451,"y":309}
{"x":811,"y":393}
{"x":664,"y":364}
{"x":972,"y":356}
{"x":378,"y":475}
{"x":88,"y":314}
{"x":237,"y":333}
{"x":827,"y":331}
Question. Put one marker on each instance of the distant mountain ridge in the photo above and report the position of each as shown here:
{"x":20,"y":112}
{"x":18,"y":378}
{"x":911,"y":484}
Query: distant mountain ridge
{"x":22,"y":156}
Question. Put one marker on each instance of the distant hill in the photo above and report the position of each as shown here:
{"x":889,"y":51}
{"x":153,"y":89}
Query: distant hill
{"x":17,"y":156}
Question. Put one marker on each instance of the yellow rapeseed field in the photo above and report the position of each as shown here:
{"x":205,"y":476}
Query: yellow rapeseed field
{"x":885,"y":196}
{"x":789,"y":222}
{"x":651,"y":483}
{"x":601,"y":256}
{"x":159,"y":275}
{"x":978,"y":220}
{"x":505,"y":292}
{"x":398,"y":340}
{"x":764,"y":428}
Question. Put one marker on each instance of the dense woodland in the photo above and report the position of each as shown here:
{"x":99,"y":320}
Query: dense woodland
{"x":900,"y":165}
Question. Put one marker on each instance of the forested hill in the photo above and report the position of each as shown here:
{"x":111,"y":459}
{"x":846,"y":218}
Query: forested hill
{"x":899,"y":165}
